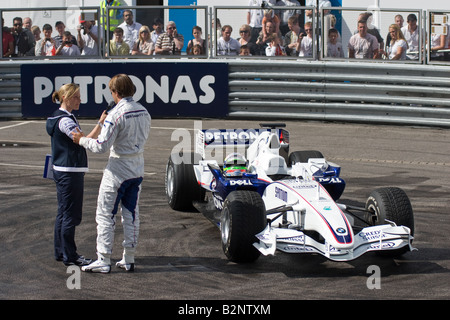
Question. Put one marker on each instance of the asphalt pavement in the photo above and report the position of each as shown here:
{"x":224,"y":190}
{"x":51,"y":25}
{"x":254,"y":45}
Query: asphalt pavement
{"x":180,"y":255}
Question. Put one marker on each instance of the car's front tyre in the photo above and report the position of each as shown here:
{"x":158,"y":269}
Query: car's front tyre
{"x":243,"y":216}
{"x":391,"y":204}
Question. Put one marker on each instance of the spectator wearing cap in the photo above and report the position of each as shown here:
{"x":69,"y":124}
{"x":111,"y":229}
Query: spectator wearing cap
{"x":88,"y":38}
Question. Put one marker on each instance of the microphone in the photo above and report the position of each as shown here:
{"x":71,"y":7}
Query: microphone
{"x":111,"y":105}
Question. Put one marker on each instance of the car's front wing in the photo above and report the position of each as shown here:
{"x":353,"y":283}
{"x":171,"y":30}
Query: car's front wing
{"x":375,"y":238}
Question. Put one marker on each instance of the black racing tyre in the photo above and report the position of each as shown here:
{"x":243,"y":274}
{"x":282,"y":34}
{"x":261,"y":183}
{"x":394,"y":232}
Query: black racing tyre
{"x":303,"y":156}
{"x":243,"y":216}
{"x":181,"y":186}
{"x":391,"y":204}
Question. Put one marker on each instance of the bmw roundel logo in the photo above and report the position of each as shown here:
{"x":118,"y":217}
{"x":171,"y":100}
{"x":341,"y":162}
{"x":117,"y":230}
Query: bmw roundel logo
{"x":340,"y":230}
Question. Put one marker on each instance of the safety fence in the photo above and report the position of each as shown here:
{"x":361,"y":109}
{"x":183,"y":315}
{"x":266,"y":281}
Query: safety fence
{"x":335,"y":91}
{"x":306,"y":90}
{"x":428,"y":43}
{"x":414,"y":91}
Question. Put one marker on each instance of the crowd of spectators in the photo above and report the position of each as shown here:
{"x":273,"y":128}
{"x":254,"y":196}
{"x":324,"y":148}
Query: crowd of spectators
{"x":267,"y":32}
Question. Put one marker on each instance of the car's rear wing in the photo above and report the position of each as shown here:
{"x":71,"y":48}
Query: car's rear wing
{"x":232,"y":138}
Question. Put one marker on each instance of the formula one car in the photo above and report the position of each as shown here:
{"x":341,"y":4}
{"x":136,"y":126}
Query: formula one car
{"x":275,"y":200}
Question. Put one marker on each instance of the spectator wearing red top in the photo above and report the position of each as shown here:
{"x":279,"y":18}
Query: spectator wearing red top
{"x":7,"y":42}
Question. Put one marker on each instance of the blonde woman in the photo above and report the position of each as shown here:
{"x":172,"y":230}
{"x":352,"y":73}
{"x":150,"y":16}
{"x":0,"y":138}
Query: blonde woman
{"x":144,"y":45}
{"x":399,"y":46}
{"x":69,"y":166}
{"x":36,"y":31}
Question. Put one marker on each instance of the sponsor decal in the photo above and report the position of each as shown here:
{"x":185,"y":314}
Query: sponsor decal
{"x":218,"y":202}
{"x":281,"y":194}
{"x":299,"y":239}
{"x":233,"y":136}
{"x":330,"y":180}
{"x":171,"y":89}
{"x":295,"y":248}
{"x":372,"y":235}
{"x":304,"y":186}
{"x":240,"y":183}
{"x":384,"y":245}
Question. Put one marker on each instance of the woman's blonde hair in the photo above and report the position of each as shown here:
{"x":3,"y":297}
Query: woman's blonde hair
{"x":66,"y":91}
{"x":398,"y":32}
{"x":143,"y":28}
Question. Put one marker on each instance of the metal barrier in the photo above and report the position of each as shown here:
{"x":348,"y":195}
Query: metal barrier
{"x":336,"y":91}
{"x":312,"y":90}
{"x":10,"y":91}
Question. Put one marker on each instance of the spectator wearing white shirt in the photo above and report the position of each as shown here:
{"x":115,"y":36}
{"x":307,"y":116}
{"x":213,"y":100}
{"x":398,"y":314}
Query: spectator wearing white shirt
{"x":47,"y":45}
{"x":312,"y":3}
{"x":130,"y":28}
{"x":363,"y":45}
{"x":411,"y":33}
{"x":305,"y":42}
{"x":226,"y":45}
{"x":88,"y":39}
{"x":334,"y":47}
{"x":67,"y":48}
{"x":398,"y":46}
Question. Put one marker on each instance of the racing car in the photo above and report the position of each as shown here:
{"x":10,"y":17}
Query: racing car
{"x":270,"y":199}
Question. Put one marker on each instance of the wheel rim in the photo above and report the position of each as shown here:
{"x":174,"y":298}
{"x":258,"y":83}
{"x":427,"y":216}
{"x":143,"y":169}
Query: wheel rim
{"x":169,"y":181}
{"x":225,"y":225}
{"x":374,"y":216}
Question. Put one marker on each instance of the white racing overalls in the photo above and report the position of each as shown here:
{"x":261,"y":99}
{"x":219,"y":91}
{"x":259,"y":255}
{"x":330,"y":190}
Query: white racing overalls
{"x":124,"y":133}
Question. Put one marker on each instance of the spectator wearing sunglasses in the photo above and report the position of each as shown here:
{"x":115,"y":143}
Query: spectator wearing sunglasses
{"x":245,"y":32}
{"x":24,"y":42}
{"x":170,"y":42}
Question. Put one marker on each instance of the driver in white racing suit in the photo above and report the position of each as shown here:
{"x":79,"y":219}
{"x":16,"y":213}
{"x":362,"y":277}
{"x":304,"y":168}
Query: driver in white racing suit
{"x":124,"y":133}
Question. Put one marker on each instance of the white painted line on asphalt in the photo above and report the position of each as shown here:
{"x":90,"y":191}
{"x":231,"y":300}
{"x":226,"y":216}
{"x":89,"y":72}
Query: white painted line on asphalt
{"x":42,"y":168}
{"x":401,"y":162}
{"x":16,"y":125}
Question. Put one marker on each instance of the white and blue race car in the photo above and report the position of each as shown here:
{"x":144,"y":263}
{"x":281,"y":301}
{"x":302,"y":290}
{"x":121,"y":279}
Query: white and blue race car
{"x":284,"y":201}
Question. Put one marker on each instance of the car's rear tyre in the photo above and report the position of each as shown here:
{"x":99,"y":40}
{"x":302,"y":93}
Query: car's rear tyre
{"x":243,"y":216}
{"x":180,"y":183}
{"x":391,"y":204}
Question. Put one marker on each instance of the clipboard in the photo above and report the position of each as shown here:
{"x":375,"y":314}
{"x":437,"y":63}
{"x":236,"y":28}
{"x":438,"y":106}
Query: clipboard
{"x":48,"y":167}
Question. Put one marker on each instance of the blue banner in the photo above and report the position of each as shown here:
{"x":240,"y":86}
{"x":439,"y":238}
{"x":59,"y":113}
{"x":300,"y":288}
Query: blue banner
{"x":165,"y":89}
